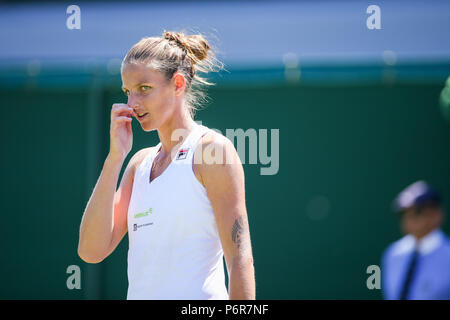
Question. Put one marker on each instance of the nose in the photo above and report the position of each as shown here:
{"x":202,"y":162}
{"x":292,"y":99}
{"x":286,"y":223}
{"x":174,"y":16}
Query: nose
{"x":133,"y":103}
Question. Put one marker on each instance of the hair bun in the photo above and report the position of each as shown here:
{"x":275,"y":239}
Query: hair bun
{"x":196,"y":45}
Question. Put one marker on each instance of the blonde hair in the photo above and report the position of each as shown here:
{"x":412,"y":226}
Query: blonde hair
{"x":177,"y":52}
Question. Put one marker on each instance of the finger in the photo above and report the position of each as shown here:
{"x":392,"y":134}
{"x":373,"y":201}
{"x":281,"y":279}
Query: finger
{"x":128,"y":125}
{"x":118,"y":105}
{"x":125,"y":113}
{"x":121,"y":109}
{"x":123,"y":118}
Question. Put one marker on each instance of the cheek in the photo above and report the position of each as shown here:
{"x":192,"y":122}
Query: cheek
{"x":157,"y":105}
{"x":162,"y":104}
{"x":150,"y":101}
{"x":408,"y":224}
{"x":404,"y":224}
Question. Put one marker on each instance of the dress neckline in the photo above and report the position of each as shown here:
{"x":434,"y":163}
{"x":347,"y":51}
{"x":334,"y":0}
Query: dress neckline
{"x":171,"y":161}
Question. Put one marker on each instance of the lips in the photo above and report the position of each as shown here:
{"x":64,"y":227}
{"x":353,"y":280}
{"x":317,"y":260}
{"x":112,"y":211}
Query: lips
{"x":143,"y":116}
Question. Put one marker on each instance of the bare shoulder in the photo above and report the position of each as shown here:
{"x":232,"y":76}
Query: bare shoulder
{"x":213,"y":137}
{"x":215,"y":148}
{"x":214,"y":152}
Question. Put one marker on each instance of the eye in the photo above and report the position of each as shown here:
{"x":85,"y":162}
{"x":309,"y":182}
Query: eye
{"x":126,"y":92}
{"x":145,"y":88}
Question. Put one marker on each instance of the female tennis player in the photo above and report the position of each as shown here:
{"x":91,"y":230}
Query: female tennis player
{"x":181,"y":201}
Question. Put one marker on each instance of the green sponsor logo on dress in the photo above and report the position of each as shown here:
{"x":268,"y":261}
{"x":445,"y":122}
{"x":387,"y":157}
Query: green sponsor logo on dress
{"x":143,"y":214}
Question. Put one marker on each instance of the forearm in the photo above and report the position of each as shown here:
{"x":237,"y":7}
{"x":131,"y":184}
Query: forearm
{"x":97,"y":222}
{"x":242,"y":279}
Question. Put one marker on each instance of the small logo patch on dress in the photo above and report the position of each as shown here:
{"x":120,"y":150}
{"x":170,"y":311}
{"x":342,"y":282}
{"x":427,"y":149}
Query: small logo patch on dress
{"x":182,"y":154}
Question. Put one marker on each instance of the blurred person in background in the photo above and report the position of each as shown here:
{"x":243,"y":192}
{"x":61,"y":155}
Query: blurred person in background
{"x":417,"y":266}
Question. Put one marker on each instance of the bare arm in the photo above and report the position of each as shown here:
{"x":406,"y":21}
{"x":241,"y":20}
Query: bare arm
{"x":225,"y":188}
{"x":97,"y":224}
{"x":104,"y":221}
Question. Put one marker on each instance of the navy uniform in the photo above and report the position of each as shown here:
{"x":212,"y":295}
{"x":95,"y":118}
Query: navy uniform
{"x":412,"y":269}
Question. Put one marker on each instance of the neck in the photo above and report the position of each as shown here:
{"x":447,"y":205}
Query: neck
{"x":423,"y":234}
{"x":180,"y":121}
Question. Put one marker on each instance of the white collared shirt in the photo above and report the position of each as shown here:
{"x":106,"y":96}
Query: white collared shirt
{"x":431,"y":279}
{"x":426,"y":245}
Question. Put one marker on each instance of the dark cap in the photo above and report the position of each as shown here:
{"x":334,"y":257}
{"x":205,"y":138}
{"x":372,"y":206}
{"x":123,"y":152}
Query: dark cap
{"x":416,"y":194}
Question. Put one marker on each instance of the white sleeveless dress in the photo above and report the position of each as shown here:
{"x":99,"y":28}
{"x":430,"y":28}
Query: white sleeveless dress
{"x":174,"y":246}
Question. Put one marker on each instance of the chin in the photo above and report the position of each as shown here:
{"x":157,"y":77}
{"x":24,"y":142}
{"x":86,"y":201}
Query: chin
{"x":148,"y":127}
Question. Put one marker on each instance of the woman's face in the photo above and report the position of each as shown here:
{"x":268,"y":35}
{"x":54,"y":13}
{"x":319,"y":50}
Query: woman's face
{"x":148,"y":93}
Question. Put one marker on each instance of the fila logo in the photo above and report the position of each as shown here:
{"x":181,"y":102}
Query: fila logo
{"x":182,"y":154}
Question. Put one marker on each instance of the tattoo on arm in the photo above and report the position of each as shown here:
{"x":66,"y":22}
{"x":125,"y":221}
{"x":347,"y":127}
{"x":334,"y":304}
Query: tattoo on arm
{"x":238,"y":233}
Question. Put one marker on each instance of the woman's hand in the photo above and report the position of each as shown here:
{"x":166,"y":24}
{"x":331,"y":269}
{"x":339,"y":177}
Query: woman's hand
{"x":121,"y":135}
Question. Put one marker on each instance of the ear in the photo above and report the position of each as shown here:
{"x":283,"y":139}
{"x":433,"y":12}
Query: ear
{"x":179,"y":82}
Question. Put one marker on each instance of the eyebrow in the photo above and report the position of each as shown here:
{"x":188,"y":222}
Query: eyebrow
{"x":137,"y":85}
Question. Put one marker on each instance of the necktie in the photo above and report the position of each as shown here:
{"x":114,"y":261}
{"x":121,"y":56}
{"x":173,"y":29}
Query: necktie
{"x":409,"y":275}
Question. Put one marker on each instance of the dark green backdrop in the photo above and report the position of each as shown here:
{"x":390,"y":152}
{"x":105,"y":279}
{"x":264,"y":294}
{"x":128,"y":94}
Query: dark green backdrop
{"x":345,"y":152}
